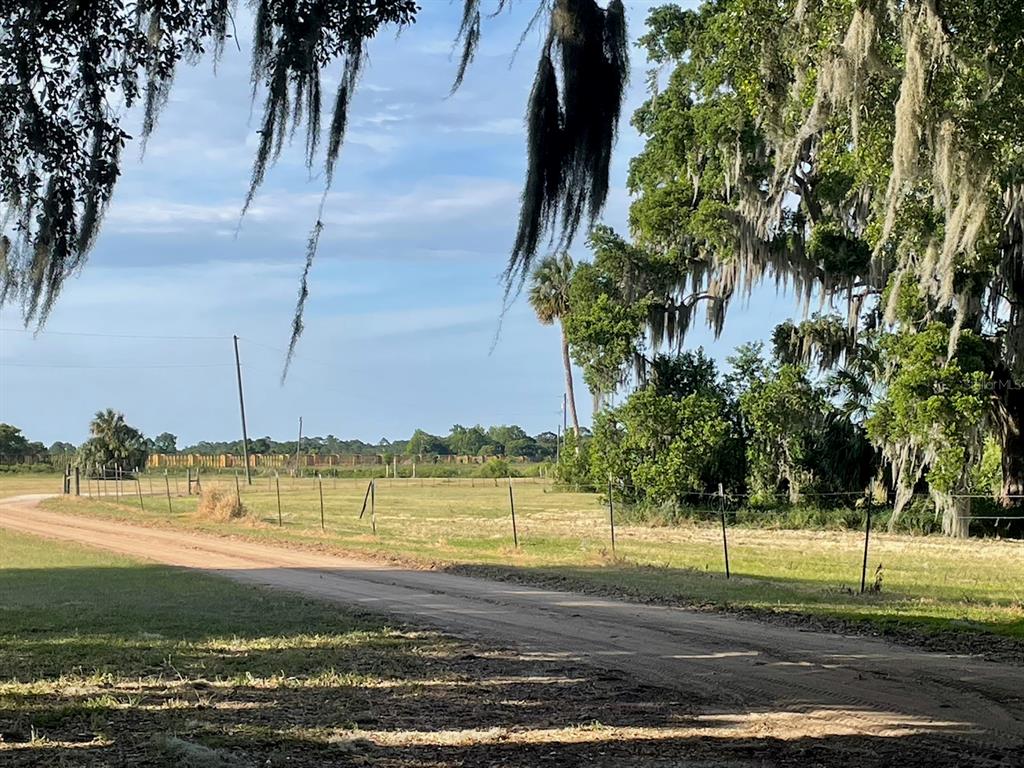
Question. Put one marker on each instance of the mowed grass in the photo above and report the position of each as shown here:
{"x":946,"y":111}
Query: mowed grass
{"x":105,"y":661}
{"x":927,"y":583}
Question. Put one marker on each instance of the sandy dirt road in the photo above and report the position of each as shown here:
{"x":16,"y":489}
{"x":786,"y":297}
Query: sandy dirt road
{"x":971,"y":711}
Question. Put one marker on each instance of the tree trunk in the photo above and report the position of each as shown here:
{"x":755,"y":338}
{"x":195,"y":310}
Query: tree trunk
{"x":571,"y":395}
{"x":955,"y":512}
{"x":1009,"y":421}
{"x":1013,"y":468}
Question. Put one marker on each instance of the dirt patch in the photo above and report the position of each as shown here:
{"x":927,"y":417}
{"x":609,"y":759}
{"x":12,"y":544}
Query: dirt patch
{"x":959,"y":640}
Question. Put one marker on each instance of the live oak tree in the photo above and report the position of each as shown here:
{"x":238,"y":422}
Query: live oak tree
{"x":867,"y":154}
{"x":69,"y":69}
{"x":626,"y":305}
{"x":945,"y":399}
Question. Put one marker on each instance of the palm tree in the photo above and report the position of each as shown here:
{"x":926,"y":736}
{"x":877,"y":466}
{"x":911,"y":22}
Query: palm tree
{"x":106,"y":424}
{"x":113,"y":440}
{"x":549,"y":297}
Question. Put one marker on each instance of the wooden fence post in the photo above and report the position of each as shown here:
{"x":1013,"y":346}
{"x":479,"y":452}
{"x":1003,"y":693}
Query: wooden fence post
{"x":167,"y":485}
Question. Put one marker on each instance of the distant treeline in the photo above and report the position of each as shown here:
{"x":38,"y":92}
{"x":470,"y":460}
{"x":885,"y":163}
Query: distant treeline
{"x":511,"y":441}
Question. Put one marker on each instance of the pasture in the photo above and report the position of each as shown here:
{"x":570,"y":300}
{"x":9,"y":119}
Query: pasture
{"x":927,"y":584}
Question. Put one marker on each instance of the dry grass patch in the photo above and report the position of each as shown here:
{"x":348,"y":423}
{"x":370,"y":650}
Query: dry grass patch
{"x":221,"y":506}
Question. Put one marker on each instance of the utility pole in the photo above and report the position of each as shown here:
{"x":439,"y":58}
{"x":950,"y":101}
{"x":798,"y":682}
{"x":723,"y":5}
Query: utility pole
{"x":297,"y":444}
{"x":241,"y":406}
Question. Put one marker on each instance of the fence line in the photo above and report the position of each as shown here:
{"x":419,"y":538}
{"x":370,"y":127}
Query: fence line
{"x":734,"y":502}
{"x":315,"y":497}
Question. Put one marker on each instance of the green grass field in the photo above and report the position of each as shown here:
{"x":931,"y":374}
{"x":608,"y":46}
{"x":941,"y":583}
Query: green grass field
{"x":927,"y":583}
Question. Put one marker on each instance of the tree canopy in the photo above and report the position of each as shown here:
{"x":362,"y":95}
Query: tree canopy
{"x":866,"y":156}
{"x":68,"y":69}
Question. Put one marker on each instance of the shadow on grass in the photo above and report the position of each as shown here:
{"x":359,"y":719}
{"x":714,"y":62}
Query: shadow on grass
{"x":102,"y":665}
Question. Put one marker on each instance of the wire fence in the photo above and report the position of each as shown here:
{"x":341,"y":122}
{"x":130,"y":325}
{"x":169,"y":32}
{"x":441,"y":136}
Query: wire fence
{"x":530,"y":516}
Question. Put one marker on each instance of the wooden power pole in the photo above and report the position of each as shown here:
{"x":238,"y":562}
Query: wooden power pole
{"x":241,"y":406}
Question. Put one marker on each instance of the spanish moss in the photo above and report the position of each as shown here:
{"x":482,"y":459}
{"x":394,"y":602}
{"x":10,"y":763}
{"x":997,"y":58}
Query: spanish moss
{"x":300,"y":306}
{"x":572,"y":118}
{"x":60,"y":157}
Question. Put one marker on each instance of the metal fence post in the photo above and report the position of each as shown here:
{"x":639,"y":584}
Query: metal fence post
{"x":867,"y":539}
{"x":725,"y":538}
{"x":611,"y":514}
{"x":512,"y":505}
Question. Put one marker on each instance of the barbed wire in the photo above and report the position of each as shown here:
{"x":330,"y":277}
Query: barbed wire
{"x":121,"y":367}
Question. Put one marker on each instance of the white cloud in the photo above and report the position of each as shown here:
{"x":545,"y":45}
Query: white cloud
{"x":436,"y":201}
{"x":160,"y":216}
{"x":404,"y":322}
{"x":502,"y":126}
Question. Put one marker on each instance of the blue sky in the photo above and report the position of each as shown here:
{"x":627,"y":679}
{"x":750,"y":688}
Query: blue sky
{"x":405,"y":294}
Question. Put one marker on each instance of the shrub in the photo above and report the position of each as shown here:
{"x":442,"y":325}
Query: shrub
{"x":494,"y":468}
{"x":573,"y":467}
{"x":660,"y":449}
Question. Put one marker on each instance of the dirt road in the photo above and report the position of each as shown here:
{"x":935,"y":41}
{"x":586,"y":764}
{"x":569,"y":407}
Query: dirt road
{"x":821,"y":684}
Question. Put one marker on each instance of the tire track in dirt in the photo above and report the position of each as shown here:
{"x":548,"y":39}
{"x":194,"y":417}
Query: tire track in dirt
{"x":733,"y":666}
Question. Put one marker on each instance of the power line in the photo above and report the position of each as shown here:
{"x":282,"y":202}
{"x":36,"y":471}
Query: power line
{"x":6,"y":364}
{"x":298,"y":356}
{"x":115,"y":335}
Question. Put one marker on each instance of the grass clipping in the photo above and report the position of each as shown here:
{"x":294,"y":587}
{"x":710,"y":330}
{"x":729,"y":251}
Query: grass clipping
{"x":221,"y":507}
